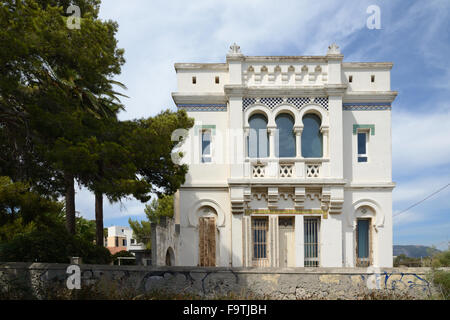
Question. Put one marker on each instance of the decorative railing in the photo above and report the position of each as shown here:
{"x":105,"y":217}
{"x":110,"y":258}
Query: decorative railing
{"x":286,"y":170}
{"x":258,"y":170}
{"x":313,"y":170}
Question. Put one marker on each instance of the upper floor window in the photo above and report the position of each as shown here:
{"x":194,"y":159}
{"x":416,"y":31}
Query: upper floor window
{"x":285,"y":142}
{"x":194,"y":80}
{"x":206,"y":146}
{"x":258,"y":142}
{"x":312,"y":140}
{"x":363,"y":137}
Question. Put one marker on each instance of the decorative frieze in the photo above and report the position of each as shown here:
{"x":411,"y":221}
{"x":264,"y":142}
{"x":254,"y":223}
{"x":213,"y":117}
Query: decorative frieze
{"x":237,"y":207}
{"x":249,"y":212}
{"x":297,"y":102}
{"x":272,"y":197}
{"x":299,"y":198}
{"x":202,"y":107}
{"x":330,"y":202}
{"x":366,"y":106}
{"x":336,"y":206}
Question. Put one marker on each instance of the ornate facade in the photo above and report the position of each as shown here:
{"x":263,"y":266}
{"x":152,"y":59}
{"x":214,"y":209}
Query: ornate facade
{"x":289,"y":162}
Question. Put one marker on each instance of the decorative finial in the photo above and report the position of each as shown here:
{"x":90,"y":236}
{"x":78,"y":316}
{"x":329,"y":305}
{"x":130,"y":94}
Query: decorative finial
{"x":235,"y":50}
{"x":333,"y":49}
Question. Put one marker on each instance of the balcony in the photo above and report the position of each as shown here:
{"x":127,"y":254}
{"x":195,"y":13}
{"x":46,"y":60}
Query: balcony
{"x":286,"y":168}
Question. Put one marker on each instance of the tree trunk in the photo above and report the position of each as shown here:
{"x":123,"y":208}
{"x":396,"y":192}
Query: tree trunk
{"x":70,"y":203}
{"x":99,"y":218}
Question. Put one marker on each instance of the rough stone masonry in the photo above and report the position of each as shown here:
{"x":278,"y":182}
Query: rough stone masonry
{"x":288,"y":283}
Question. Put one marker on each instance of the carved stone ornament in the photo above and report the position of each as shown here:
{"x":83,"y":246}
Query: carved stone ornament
{"x":235,"y":50}
{"x":333,"y":49}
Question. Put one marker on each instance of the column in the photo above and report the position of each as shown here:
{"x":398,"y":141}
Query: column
{"x":299,"y":241}
{"x":298,"y":141}
{"x":237,"y":234}
{"x":324,"y":131}
{"x":273,"y":238}
{"x":246,"y":230}
{"x":271,"y":131}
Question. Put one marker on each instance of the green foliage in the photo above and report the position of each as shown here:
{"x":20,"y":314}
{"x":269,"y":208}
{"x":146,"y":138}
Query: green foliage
{"x":403,"y":260}
{"x":142,"y":231}
{"x":441,"y":259}
{"x":22,"y":209}
{"x":159,"y":207}
{"x":58,"y":121}
{"x":52,"y":245}
{"x":17,"y":199}
{"x":442,"y":280}
{"x":162,"y":207}
{"x":124,"y":262}
{"x":85,"y":229}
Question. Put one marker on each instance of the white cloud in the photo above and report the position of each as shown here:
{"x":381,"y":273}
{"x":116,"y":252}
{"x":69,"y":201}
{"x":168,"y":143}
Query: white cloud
{"x":408,"y":217}
{"x":420,"y":140}
{"x":85,"y":204}
{"x":157,"y":34}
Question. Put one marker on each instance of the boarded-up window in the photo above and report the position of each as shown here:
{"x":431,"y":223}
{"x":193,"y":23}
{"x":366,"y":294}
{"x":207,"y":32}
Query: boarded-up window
{"x":311,"y":230}
{"x":260,"y":227}
{"x":363,"y":243}
{"x":207,"y":243}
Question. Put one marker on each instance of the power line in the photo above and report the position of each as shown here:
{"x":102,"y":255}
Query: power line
{"x":397,"y":214}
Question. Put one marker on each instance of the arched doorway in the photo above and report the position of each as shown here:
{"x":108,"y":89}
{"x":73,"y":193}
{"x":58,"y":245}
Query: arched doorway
{"x":207,"y":237}
{"x":170,"y":257}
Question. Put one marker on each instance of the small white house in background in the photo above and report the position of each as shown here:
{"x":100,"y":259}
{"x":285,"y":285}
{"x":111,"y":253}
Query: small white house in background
{"x":289,"y":162}
{"x":121,"y":238}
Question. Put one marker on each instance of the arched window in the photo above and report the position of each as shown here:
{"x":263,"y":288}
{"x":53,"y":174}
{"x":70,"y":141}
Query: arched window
{"x":285,"y":142}
{"x":311,"y":137}
{"x":258,"y":142}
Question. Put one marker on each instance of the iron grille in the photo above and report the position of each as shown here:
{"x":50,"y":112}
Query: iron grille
{"x":259,"y":231}
{"x":311,"y":230}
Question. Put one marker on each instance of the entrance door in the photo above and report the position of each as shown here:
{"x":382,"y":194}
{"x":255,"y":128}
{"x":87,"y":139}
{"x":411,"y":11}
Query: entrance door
{"x":286,"y":241}
{"x":207,"y":241}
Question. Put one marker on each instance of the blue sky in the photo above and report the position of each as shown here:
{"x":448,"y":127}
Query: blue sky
{"x":414,"y":35}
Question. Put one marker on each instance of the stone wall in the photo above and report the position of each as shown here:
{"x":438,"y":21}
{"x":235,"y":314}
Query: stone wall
{"x":165,"y":239}
{"x":295,"y":283}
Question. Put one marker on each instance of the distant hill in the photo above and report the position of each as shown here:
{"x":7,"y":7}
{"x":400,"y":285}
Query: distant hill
{"x":414,"y":251}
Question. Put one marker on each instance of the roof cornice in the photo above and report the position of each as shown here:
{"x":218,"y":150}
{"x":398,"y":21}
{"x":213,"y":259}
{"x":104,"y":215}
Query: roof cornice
{"x":367,"y":65}
{"x":261,"y":91}
{"x":201,"y":66}
{"x":370,"y":96}
{"x":194,"y":98}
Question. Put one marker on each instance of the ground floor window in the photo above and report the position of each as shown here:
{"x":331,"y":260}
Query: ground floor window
{"x":363,"y":243}
{"x":259,"y":238}
{"x":311,"y":231}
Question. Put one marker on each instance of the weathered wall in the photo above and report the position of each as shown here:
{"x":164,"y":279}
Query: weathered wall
{"x":165,"y":239}
{"x":291,"y":283}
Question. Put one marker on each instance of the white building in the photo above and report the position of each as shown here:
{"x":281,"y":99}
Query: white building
{"x":121,"y":238}
{"x":289,"y":162}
